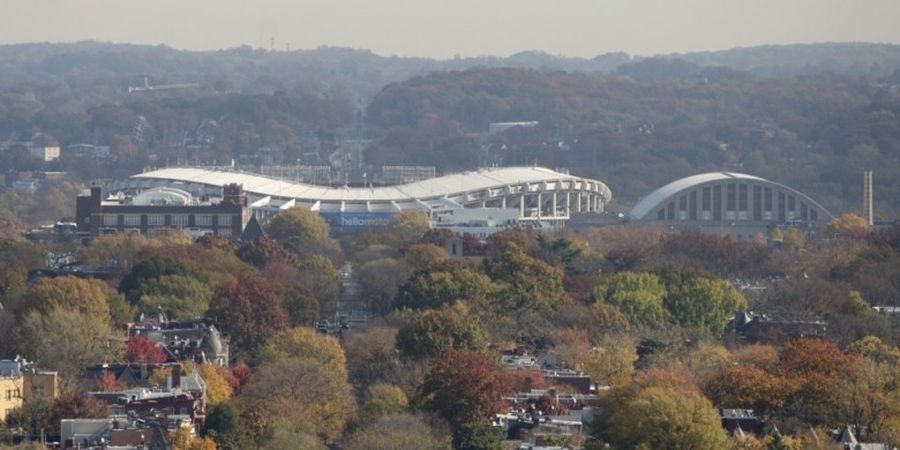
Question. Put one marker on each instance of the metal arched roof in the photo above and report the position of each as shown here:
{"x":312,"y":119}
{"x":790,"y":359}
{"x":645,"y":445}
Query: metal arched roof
{"x":659,"y":196}
{"x":444,"y":186}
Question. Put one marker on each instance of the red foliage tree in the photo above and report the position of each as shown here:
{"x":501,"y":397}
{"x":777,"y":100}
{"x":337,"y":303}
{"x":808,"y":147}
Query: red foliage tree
{"x":249,"y":310}
{"x":749,"y":387}
{"x":240,"y":376}
{"x":108,"y":383}
{"x":139,"y":349}
{"x":464,"y":386}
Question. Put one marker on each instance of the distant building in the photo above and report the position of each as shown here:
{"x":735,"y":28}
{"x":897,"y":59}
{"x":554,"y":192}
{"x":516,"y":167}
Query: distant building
{"x":406,"y":174}
{"x":21,"y":382}
{"x":483,"y":222}
{"x":729,"y":203}
{"x":500,"y":127}
{"x":161,"y":209}
{"x":46,"y":154}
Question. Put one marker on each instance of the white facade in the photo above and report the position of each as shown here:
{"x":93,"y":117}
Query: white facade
{"x":46,"y":154}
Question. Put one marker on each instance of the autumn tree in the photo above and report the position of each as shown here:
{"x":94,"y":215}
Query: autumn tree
{"x":464,"y":387}
{"x":304,"y":342}
{"x":248,"y":310}
{"x":293,"y":389}
{"x":848,"y":225}
{"x":396,"y":432}
{"x":380,"y":281}
{"x":66,"y":340}
{"x":382,"y":399}
{"x":372,"y":356}
{"x":738,"y":386}
{"x":141,"y":350}
{"x":410,"y":224}
{"x":303,"y":232}
{"x":432,"y":332}
{"x":216,"y":380}
{"x":665,"y":418}
{"x":184,"y":439}
{"x":424,"y":257}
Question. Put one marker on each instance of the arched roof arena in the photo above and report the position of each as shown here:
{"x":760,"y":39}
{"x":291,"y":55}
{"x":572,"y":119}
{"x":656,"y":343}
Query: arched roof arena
{"x":728,"y":197}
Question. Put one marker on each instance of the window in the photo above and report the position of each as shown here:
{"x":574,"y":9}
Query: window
{"x":731,"y":197}
{"x":203,"y":220}
{"x":156,"y":220}
{"x":132,"y":220}
{"x":110,"y":220}
{"x":179,"y":220}
{"x":225,"y":220}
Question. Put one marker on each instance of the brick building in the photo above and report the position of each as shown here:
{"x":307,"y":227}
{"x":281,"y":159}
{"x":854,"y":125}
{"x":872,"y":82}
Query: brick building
{"x":163,"y":208}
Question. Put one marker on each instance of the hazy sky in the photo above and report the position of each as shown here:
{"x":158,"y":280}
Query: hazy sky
{"x":444,"y":28}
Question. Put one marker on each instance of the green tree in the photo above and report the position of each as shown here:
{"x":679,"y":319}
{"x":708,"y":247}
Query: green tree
{"x":639,"y":296}
{"x":323,"y":280}
{"x":432,"y":332}
{"x":478,"y":436}
{"x":661,"y":418}
{"x":179,"y":296}
{"x":527,"y":283}
{"x":431,"y":289}
{"x":703,"y":303}
{"x":225,"y":425}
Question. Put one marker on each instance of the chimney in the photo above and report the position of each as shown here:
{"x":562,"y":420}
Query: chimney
{"x":176,"y":376}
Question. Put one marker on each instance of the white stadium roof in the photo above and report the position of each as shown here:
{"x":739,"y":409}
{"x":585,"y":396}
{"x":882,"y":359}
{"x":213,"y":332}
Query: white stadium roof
{"x":445,"y":186}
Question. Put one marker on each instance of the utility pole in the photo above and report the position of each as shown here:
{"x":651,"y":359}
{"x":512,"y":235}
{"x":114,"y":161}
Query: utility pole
{"x":868,"y":207}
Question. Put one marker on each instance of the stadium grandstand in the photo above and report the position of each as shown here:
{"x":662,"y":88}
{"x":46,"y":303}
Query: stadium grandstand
{"x":731,"y":203}
{"x":540,"y":194}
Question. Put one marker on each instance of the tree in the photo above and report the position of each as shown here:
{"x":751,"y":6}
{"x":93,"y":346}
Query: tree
{"x":141,"y":350}
{"x":665,"y":418}
{"x":301,"y":306}
{"x":152,"y":268}
{"x":66,"y":340}
{"x":819,"y":369}
{"x":382,"y":399}
{"x":848,"y":225}
{"x":323,"y":280}
{"x":179,"y":296}
{"x":478,"y":436}
{"x":396,"y":432}
{"x":184,"y":439}
{"x":527,"y":283}
{"x":424,"y":257}
{"x":410,"y":224}
{"x":432,"y":332}
{"x":298,"y":229}
{"x":431,"y":289}
{"x":380,"y":281}
{"x":77,"y":406}
{"x":464,"y":387}
{"x":216,"y":379}
{"x":639,"y":296}
{"x":703,"y":303}
{"x":293,"y":389}
{"x":372,"y":356}
{"x":262,"y":250}
{"x":303,"y":342}
{"x":748,"y":387}
{"x":225,"y":426}
{"x":248,"y":310}
{"x":87,"y":296}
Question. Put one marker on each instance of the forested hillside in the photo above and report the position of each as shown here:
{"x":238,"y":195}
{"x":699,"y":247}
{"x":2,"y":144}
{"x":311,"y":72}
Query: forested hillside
{"x":639,"y":131}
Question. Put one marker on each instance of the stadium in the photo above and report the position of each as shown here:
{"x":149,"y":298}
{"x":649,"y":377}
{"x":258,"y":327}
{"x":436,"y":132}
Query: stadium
{"x":540,"y":194}
{"x":728,"y":202}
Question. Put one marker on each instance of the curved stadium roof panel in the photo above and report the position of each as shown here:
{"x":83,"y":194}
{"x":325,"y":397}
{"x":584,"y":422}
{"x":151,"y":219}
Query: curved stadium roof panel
{"x":466,"y":188}
{"x":660,"y":197}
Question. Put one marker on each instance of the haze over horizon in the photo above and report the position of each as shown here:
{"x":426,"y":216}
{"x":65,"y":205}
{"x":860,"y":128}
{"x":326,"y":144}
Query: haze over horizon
{"x":438,"y":29}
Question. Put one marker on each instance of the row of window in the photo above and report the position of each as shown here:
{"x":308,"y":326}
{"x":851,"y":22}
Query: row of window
{"x":13,"y":393}
{"x":158,"y":220}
